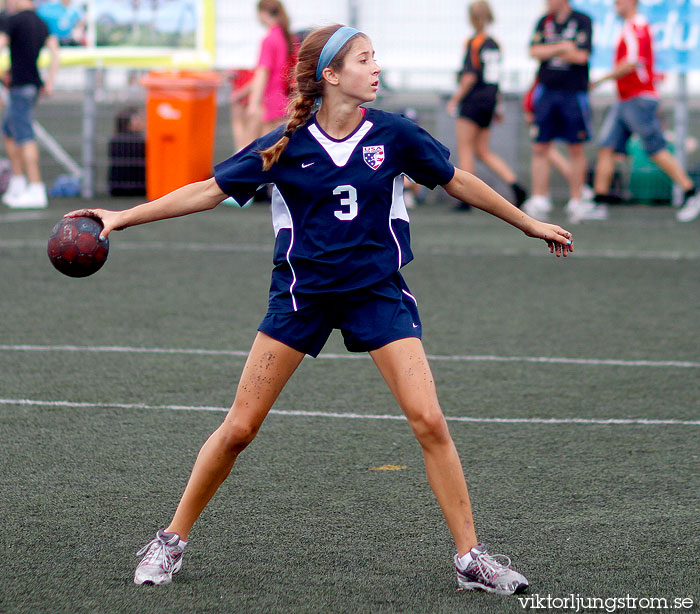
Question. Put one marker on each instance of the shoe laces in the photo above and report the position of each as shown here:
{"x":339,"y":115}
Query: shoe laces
{"x":490,"y":566}
{"x":158,"y":553}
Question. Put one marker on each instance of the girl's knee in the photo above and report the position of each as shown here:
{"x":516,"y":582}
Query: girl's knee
{"x":430,"y":427}
{"x":236,"y":434}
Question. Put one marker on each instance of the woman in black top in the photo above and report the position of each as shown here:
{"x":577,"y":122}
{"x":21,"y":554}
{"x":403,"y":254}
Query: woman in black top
{"x":476,"y":99}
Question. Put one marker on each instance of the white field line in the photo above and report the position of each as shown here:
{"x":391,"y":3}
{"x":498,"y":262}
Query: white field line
{"x":23,"y":216}
{"x":329,"y":356}
{"x":355,"y":416}
{"x":435,"y":251}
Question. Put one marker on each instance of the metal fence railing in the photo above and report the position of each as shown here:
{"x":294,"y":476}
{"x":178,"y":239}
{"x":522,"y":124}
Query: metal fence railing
{"x":81,"y":122}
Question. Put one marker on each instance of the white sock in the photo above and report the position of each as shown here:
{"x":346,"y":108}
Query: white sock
{"x":464,"y":561}
{"x":181,"y":544}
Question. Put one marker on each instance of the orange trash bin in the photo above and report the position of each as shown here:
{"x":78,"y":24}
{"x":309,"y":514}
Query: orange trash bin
{"x":180,"y":128}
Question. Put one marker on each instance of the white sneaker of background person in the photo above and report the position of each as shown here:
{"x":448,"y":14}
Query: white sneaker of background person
{"x":690,"y":209}
{"x":16,"y":186}
{"x":538,"y":206}
{"x":34,"y":197}
{"x":579,"y":210}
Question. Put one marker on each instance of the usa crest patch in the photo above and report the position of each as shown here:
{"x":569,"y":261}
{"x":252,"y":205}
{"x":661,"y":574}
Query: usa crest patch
{"x":373,"y":156}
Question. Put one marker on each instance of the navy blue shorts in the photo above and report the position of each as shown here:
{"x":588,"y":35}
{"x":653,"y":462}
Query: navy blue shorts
{"x":561,"y":116}
{"x":369,"y":318}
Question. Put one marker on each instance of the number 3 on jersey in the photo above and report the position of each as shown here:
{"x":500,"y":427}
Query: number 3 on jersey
{"x":349,"y":204}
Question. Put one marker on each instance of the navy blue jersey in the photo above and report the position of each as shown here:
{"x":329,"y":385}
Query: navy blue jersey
{"x":337,"y":205}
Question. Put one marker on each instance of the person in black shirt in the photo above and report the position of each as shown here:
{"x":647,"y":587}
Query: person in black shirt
{"x":26,"y":34}
{"x":562,"y":44}
{"x":127,"y":154}
{"x":476,"y":98}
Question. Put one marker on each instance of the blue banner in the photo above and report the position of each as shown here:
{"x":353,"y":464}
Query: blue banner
{"x":675,"y":27}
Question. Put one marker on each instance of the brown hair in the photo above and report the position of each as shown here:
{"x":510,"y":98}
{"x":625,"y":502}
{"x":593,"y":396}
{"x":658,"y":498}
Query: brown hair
{"x":306,"y":87}
{"x":480,"y":14}
{"x":276,"y":9}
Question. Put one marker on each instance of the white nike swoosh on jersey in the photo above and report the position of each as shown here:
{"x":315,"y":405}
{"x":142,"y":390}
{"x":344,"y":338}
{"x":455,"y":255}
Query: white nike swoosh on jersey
{"x":415,"y":325}
{"x":305,"y":164}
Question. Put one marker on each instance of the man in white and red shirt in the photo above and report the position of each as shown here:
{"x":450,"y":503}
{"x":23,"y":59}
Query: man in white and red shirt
{"x":634,"y":49}
{"x":635,"y":112}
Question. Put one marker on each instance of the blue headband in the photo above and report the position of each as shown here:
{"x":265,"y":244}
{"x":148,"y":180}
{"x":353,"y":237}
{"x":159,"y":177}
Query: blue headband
{"x":334,"y":44}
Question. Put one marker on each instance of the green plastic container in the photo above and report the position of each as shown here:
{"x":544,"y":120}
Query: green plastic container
{"x":648,"y":183}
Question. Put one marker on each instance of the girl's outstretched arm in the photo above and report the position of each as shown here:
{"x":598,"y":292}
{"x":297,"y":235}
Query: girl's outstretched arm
{"x":469,"y":189}
{"x":191,"y":198}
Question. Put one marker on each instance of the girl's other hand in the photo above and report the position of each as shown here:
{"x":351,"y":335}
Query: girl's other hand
{"x":560,"y":241}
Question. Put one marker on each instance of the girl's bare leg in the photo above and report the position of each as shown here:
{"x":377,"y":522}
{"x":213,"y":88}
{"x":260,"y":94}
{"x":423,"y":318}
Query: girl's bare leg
{"x":267,"y":369}
{"x":405,"y":368}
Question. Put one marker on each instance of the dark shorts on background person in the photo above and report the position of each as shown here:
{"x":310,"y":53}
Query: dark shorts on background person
{"x":368,"y":318}
{"x":19,"y":114}
{"x":633,"y":116}
{"x":478,"y":110}
{"x":561,"y":115}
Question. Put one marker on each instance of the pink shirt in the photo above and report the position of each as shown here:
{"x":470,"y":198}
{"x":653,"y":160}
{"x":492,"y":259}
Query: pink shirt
{"x":274,"y":56}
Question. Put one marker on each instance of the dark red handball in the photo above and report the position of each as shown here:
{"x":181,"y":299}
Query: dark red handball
{"x":75,"y":248}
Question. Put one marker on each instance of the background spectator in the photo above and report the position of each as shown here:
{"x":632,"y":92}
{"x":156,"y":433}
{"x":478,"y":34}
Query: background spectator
{"x":26,"y":34}
{"x":635,"y":112}
{"x":270,"y":86}
{"x":65,"y":21}
{"x":127,"y":154}
{"x":476,"y":99}
{"x":562,"y":44}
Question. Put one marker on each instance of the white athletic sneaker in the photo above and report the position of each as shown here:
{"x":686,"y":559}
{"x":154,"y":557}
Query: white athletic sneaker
{"x":538,"y":206}
{"x":34,"y":197}
{"x":579,"y":210}
{"x":690,"y":210}
{"x":163,"y":558}
{"x":486,"y":573}
{"x":16,"y":186}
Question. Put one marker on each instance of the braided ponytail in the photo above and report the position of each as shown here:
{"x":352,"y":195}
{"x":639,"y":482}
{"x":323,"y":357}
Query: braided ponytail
{"x":307,"y":88}
{"x":301,"y":108}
